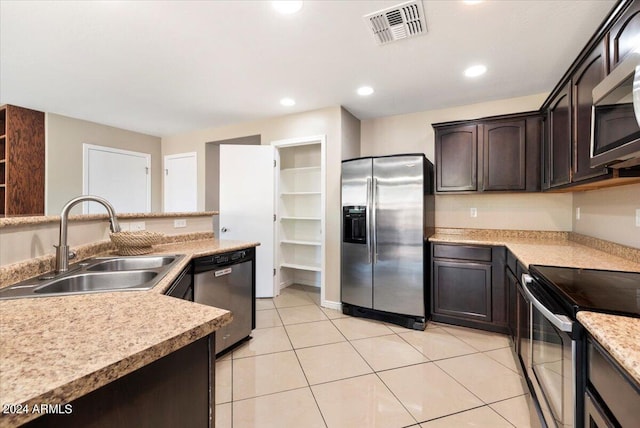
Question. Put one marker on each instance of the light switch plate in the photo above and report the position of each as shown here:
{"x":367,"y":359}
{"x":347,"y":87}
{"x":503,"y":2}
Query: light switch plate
{"x":578,"y":213}
{"x":180,"y":223}
{"x":638,"y":218}
{"x":473,"y":212}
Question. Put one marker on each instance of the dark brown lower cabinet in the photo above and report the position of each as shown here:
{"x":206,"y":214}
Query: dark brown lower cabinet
{"x":468,"y":286}
{"x":463,"y":289}
{"x":612,"y":397}
{"x":174,"y":391}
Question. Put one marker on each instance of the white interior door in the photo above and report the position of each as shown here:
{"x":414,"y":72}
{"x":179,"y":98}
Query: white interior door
{"x":181,"y":183}
{"x":120,"y":176}
{"x":247,"y":205}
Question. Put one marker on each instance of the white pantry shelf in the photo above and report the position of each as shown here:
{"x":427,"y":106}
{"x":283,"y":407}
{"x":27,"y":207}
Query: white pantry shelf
{"x":301,"y":242}
{"x":301,"y":267}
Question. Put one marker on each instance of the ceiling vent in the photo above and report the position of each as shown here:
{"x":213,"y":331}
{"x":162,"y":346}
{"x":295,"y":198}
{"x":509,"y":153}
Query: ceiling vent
{"x":397,"y":22}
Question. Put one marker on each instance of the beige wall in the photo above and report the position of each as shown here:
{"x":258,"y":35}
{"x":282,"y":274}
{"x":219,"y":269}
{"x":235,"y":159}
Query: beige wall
{"x":64,"y":139}
{"x":325,"y":121}
{"x":412,"y":133}
{"x":609,"y":214}
{"x":18,"y":243}
{"x":350,"y":135}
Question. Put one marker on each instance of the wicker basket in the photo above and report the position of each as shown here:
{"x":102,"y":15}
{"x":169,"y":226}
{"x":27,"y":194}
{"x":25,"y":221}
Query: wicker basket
{"x":135,"y":243}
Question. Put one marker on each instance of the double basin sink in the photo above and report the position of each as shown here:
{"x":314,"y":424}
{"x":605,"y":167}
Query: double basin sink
{"x":99,"y":274}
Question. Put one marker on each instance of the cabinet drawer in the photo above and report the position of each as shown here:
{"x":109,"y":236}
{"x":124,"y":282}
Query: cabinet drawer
{"x":622,"y":398}
{"x":462,"y":252}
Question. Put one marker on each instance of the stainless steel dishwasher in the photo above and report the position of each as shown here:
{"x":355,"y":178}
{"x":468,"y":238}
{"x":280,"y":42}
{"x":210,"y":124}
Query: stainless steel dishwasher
{"x":227,"y":281}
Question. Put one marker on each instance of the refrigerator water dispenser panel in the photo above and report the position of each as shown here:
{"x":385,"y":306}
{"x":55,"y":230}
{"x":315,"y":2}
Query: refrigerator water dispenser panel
{"x":354,"y":221}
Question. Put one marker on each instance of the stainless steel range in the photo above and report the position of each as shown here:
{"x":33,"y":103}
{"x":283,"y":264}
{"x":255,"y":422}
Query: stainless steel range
{"x":557,"y":341}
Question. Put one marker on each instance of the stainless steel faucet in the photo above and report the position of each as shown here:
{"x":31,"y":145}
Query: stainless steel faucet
{"x":62,"y":249}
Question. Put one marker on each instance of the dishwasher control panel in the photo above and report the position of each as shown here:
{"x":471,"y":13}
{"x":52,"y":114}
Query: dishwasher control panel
{"x":218,"y":260}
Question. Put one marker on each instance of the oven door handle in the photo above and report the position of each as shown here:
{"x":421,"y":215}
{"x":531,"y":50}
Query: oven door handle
{"x":562,"y":322}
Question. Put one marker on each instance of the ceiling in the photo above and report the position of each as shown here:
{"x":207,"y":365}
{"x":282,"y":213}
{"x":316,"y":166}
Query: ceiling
{"x":168,"y":67}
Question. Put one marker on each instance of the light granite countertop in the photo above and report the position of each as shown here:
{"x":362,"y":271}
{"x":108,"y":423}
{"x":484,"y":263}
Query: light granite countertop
{"x":56,"y":349}
{"x":545,"y":248}
{"x":619,"y":335}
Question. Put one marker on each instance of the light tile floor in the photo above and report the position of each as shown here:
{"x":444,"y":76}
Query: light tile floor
{"x":308,"y":366}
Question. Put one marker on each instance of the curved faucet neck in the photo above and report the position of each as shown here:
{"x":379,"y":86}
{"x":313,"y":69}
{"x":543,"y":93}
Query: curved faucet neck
{"x":62,"y":249}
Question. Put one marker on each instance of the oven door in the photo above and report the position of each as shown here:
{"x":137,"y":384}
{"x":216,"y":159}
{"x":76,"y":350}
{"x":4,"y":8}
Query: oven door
{"x":553,"y":356}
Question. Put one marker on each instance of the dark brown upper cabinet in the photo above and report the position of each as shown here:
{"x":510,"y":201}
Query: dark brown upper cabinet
{"x":623,"y":36}
{"x":568,"y":109}
{"x":456,"y":158}
{"x":558,"y":143}
{"x":589,"y":73}
{"x":504,"y":147}
{"x":500,"y":153}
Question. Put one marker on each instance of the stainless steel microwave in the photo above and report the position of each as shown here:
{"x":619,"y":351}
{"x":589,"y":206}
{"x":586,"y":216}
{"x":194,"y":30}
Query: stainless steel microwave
{"x":615,"y":124}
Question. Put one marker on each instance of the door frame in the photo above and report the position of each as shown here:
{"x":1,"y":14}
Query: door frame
{"x":164,"y":175}
{"x":86,"y":148}
{"x":303,"y":141}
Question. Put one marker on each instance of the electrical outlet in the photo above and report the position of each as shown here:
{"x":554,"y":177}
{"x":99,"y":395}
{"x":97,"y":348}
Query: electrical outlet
{"x":638,"y":218}
{"x":578,"y":213}
{"x":473,"y":212}
{"x":180,"y":223}
{"x":136,"y":226}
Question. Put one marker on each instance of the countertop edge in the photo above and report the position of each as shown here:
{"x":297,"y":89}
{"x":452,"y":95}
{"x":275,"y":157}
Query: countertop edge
{"x":619,"y":336}
{"x":89,"y":382}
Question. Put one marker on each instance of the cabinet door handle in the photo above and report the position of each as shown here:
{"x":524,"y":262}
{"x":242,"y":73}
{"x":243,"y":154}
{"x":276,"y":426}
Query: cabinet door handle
{"x":224,"y":229}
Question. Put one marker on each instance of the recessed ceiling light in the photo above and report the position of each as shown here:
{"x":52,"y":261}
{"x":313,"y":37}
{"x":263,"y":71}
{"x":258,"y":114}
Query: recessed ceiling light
{"x":471,"y":1}
{"x":287,"y":7}
{"x":287,"y":102}
{"x":475,"y":71}
{"x":365,"y":90}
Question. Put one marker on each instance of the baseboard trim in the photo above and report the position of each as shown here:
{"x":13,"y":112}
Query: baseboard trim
{"x":331,"y":305}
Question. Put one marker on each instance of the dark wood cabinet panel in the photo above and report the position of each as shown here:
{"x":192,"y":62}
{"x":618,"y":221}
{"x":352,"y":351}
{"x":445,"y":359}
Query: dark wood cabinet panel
{"x":587,"y":76}
{"x":22,"y":147}
{"x":174,"y":391}
{"x":558,"y":148}
{"x":504,"y":147}
{"x":468,"y":286}
{"x":623,"y":36}
{"x":511,"y":283}
{"x":617,"y":393}
{"x":462,"y":252}
{"x":456,"y":158}
{"x":500,"y":153}
{"x":462,"y":289}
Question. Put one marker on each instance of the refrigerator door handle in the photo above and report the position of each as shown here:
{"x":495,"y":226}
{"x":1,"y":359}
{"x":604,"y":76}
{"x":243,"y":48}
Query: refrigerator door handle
{"x":368,"y":221}
{"x":374,"y":204}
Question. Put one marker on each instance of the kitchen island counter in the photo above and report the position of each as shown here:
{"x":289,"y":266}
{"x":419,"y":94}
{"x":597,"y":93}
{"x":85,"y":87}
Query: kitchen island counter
{"x":56,"y":349}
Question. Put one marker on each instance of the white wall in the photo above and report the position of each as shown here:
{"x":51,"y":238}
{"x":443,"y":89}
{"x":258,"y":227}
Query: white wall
{"x":413,"y":133}
{"x":609,"y":214}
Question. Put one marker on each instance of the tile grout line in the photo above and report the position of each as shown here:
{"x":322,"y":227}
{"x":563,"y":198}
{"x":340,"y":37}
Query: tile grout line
{"x":315,"y":400}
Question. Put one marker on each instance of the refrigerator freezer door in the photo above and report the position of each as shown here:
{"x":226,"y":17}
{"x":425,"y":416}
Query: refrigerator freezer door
{"x":398,"y":269}
{"x":356,"y":272}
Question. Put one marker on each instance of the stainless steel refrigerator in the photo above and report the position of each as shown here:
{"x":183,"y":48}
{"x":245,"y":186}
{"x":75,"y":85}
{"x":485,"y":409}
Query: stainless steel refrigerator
{"x":387,"y":216}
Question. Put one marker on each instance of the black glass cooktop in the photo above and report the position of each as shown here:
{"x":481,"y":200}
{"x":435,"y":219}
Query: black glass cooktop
{"x":593,"y":290}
